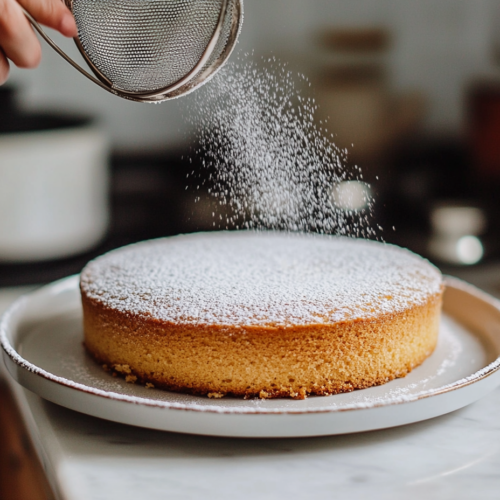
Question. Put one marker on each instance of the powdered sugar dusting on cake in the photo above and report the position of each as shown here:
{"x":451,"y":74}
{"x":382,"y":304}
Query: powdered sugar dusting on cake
{"x":260,"y":278}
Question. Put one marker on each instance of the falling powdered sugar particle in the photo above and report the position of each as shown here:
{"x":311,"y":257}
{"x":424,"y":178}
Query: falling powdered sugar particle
{"x":268,"y":163}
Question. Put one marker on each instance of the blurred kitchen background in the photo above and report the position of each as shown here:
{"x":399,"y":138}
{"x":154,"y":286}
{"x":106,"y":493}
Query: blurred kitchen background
{"x":412,"y":89}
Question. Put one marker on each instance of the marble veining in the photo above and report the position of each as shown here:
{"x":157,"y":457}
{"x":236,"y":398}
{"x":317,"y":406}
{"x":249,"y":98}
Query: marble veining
{"x":455,"y":456}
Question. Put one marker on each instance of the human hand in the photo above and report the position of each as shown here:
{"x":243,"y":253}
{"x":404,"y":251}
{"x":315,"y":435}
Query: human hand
{"x":18,"y":42}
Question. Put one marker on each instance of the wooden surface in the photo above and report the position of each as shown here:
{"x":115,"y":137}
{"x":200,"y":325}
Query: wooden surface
{"x":21,"y":475}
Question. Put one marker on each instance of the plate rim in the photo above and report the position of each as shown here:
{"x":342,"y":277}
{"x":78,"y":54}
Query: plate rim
{"x":72,"y":282}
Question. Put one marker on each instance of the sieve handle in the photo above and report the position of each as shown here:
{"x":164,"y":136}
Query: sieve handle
{"x":64,"y":55}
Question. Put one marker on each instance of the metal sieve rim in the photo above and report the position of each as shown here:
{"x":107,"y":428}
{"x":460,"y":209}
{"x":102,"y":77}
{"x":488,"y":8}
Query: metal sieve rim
{"x":205,"y":76}
{"x":184,"y":85}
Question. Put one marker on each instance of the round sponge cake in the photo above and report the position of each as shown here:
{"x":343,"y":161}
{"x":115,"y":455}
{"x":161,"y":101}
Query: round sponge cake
{"x":261,"y":314}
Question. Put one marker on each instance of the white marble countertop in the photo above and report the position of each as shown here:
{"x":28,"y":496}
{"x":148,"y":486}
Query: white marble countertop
{"x":456,"y":456}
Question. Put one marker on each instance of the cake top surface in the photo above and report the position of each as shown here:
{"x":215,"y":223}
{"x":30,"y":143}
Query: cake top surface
{"x":259,"y":279}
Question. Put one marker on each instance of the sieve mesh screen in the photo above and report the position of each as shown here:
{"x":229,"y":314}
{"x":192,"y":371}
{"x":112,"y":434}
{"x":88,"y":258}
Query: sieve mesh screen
{"x":146,"y":45}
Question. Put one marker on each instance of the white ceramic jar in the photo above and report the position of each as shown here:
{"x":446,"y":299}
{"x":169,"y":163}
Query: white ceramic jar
{"x":53,"y":192}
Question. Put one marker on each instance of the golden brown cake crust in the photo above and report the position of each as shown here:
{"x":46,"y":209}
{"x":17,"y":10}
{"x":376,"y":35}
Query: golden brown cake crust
{"x":263,"y":362}
{"x":261,"y":314}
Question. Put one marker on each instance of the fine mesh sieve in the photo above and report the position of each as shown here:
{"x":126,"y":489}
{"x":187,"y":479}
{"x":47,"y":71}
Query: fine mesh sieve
{"x":152,"y":50}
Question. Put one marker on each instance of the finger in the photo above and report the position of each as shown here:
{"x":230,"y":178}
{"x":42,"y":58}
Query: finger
{"x":52,"y":13}
{"x":4,"y":67}
{"x":17,"y":38}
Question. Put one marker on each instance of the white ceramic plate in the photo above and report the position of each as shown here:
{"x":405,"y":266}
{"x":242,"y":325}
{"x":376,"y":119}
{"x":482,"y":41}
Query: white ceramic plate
{"x":42,"y":337}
